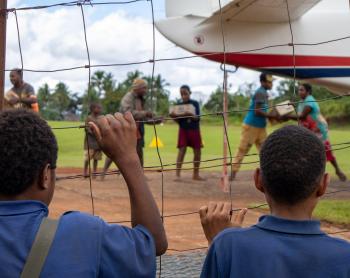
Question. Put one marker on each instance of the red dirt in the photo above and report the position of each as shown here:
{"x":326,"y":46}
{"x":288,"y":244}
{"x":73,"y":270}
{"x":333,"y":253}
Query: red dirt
{"x":111,"y":201}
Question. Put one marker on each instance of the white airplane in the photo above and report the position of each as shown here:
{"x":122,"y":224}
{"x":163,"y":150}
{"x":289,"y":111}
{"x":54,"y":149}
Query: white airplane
{"x":262,"y":27}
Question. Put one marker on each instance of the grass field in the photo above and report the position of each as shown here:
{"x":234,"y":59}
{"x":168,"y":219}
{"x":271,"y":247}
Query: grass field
{"x":334,"y":211}
{"x":71,"y":145}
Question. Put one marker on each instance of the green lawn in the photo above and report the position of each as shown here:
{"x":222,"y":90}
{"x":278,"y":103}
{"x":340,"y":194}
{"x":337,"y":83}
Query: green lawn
{"x":71,"y":145}
{"x":333,"y":211}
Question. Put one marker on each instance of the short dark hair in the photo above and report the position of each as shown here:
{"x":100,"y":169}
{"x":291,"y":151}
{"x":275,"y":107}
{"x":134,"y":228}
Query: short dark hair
{"x":18,"y":71}
{"x":263,"y":77}
{"x":27,"y":145}
{"x":307,"y":87}
{"x":292,"y":162}
{"x":93,"y":105}
{"x":186,"y":87}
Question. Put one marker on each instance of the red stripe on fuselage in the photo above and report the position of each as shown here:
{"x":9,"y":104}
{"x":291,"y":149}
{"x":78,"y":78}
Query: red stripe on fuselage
{"x":275,"y":60}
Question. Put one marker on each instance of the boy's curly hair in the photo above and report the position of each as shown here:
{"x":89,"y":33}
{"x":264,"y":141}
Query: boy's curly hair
{"x":292,"y":162}
{"x":27,"y":145}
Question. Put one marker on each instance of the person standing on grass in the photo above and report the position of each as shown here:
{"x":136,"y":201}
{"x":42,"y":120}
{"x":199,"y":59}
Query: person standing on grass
{"x":22,"y":94}
{"x":83,"y":245}
{"x":254,"y":125}
{"x":309,"y":115}
{"x":91,"y":147}
{"x":189,"y":133}
{"x":134,"y":101}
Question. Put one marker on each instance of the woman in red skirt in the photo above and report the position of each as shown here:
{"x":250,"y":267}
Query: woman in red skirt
{"x":189,"y":131}
{"x":309,"y":115}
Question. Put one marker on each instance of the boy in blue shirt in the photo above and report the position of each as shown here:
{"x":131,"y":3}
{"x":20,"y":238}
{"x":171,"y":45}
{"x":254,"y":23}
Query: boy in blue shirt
{"x":84,"y":245}
{"x":287,"y":243}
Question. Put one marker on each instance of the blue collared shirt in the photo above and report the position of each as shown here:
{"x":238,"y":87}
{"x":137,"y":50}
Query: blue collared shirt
{"x":84,"y":245}
{"x":277,"y":247}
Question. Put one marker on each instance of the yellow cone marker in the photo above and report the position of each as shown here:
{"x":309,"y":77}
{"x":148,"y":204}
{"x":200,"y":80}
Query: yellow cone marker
{"x":155,"y":142}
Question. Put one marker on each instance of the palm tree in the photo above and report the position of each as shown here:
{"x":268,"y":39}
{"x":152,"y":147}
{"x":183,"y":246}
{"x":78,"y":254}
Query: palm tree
{"x":43,"y":96}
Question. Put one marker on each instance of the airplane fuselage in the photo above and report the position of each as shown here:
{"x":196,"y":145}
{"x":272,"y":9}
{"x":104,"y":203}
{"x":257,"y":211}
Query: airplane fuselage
{"x":317,"y":56}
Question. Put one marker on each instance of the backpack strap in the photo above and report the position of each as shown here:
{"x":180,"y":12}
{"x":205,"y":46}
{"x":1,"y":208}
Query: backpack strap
{"x":40,"y":248}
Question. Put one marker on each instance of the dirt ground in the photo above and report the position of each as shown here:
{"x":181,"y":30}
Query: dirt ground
{"x":184,"y":232}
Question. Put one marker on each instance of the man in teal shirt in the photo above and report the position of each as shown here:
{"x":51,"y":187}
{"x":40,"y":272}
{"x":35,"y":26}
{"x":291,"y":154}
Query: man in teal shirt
{"x":254,"y":124}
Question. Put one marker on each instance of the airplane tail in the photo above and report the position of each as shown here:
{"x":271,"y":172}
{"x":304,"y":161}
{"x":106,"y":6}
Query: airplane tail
{"x":177,"y":8}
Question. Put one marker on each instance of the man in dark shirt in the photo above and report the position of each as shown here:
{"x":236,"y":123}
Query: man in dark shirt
{"x":189,"y":133}
{"x":21,"y":95}
{"x":134,"y":102}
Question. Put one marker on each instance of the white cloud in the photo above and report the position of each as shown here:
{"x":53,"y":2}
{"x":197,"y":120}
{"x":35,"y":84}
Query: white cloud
{"x":54,"y":39}
{"x":13,"y":3}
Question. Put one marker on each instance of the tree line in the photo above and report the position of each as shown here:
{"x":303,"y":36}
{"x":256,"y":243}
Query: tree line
{"x":60,"y":102}
{"x":336,"y":111}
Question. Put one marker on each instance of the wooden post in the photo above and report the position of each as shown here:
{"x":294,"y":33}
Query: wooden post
{"x":224,"y":177}
{"x":3,"y":19}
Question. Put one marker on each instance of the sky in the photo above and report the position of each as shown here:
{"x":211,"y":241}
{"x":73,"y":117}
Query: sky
{"x":53,"y":38}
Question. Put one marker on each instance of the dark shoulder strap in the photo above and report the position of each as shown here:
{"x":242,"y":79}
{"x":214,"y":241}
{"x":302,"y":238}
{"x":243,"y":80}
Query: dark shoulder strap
{"x":40,"y":248}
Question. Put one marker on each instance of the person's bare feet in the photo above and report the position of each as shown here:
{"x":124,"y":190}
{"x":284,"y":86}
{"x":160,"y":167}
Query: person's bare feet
{"x":341,"y":175}
{"x":198,"y":178}
{"x":178,"y":177}
{"x":233,"y":176}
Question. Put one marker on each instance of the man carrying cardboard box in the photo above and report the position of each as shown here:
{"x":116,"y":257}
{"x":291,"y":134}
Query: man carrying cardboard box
{"x":254,"y":125}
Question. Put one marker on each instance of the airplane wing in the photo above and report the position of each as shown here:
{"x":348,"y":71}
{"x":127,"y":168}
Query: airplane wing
{"x":262,"y":10}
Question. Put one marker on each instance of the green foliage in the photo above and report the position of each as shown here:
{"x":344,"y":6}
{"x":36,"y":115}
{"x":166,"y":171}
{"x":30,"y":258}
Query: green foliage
{"x":158,"y":98}
{"x":215,"y":102}
{"x":235,"y":101}
{"x":61,"y":98}
{"x":113,"y":92}
{"x":287,"y":90}
{"x":102,"y":84}
{"x":56,"y":104}
{"x":337,"y":110}
{"x":43,"y":96}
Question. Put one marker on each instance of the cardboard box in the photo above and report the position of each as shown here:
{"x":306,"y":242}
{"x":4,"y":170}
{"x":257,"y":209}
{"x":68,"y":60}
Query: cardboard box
{"x":284,"y":108}
{"x":281,"y":109}
{"x":182,"y":109}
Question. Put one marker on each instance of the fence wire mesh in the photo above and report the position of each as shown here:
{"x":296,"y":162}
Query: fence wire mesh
{"x":162,"y":168}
